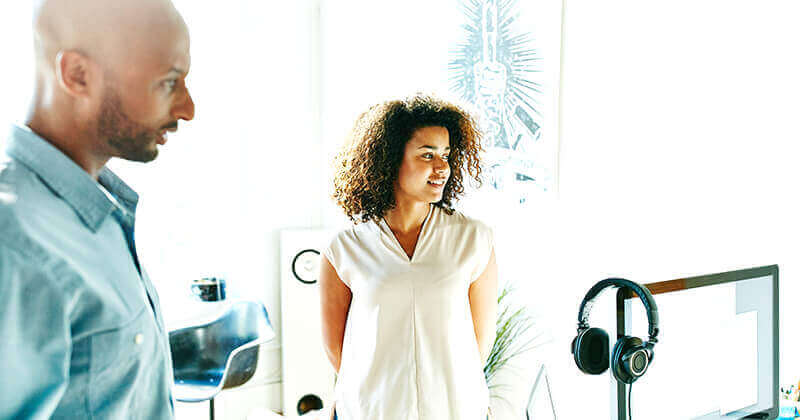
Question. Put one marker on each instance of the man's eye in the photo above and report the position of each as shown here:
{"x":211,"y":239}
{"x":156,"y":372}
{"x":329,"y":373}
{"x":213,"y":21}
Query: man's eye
{"x":170,"y":84}
{"x":427,"y":156}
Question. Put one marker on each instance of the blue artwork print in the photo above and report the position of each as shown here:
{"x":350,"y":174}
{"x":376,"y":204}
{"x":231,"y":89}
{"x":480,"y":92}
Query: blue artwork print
{"x":495,"y":68}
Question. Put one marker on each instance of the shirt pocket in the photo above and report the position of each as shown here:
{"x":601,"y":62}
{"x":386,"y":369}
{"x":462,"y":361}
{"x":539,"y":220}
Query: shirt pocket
{"x":122,"y":362}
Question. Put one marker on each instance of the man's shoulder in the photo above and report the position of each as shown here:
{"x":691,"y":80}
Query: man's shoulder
{"x":19,"y":193}
{"x":16,"y":242}
{"x":11,"y":184}
{"x":17,"y":183}
{"x":22,"y":251}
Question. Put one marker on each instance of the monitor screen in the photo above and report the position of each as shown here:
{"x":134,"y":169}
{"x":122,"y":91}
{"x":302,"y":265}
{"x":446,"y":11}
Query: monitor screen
{"x":717,"y":351}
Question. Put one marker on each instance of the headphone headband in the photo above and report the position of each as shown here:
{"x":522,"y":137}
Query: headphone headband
{"x":644,"y":295}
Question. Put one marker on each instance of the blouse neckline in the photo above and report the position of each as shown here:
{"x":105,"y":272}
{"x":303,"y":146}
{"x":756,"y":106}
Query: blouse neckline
{"x":420,"y":238}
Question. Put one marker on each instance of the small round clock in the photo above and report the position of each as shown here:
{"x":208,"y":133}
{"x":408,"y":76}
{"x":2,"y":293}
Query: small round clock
{"x":305,"y":266}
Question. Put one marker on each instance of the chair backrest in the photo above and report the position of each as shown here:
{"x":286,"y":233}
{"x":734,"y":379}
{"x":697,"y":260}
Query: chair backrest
{"x":243,"y":324}
{"x":253,"y":328}
{"x":222,"y":353}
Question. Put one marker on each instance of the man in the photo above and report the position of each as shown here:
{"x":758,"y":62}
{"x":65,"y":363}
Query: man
{"x":81,"y":332}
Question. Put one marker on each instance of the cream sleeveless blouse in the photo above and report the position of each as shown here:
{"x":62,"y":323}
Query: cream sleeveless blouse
{"x":410,"y":351}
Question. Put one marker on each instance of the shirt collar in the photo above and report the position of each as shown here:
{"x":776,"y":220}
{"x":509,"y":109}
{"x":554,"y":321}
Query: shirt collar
{"x":68,"y":180}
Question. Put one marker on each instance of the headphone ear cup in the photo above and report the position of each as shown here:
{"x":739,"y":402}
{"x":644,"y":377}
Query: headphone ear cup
{"x":590,"y":349}
{"x":623,"y":350}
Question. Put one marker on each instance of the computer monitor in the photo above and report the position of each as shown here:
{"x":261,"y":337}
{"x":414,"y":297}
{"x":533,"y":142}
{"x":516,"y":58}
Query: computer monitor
{"x":717,"y":351}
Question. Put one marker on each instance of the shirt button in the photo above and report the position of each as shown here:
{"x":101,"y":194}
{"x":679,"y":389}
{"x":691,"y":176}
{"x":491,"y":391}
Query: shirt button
{"x":139,"y":339}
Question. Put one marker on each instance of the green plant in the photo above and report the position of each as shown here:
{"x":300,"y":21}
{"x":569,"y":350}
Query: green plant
{"x":511,"y":340}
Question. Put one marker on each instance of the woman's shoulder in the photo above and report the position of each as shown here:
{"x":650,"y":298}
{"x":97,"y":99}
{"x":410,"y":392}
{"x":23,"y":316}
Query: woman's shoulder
{"x":352,"y":232}
{"x":470,"y":230}
{"x":458,"y":218}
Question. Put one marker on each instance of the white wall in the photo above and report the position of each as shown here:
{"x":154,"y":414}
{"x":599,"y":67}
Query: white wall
{"x":678,"y":158}
{"x":16,"y":76}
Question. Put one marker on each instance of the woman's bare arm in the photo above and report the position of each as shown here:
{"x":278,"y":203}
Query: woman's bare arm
{"x":335,"y":299}
{"x":483,"y":303}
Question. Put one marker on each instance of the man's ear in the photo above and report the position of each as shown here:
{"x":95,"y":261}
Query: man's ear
{"x":73,"y":72}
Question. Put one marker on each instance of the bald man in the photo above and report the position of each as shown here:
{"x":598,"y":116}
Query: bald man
{"x":81,"y":332}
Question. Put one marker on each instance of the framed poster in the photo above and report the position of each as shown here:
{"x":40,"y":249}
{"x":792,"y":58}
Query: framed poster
{"x":501,"y":58}
{"x":506,"y":64}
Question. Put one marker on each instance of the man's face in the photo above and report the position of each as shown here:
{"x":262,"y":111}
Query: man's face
{"x":145,"y":95}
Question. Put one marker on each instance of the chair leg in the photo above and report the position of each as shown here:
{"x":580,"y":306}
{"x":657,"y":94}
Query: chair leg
{"x":211,"y":409}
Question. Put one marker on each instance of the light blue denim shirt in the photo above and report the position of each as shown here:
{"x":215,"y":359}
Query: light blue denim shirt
{"x":81,"y":332}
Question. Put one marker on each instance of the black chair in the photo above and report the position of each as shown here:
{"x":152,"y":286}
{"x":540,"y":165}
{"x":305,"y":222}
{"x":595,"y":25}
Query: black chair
{"x":219,"y":354}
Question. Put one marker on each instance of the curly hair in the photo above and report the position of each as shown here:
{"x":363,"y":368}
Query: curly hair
{"x":367,"y":166}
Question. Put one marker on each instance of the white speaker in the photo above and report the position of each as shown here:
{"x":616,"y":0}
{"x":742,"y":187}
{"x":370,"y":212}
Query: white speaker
{"x":306,"y":370}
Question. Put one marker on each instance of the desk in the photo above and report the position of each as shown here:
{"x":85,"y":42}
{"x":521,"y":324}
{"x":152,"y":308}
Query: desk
{"x":789,"y":410}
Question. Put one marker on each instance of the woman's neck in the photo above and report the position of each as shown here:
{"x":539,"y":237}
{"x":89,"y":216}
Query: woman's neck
{"x":407,"y":217}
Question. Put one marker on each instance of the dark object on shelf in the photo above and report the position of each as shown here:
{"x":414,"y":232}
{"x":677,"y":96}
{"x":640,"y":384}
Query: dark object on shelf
{"x":209,"y":289}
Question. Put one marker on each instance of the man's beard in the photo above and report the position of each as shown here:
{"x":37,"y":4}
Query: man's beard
{"x":128,"y":139}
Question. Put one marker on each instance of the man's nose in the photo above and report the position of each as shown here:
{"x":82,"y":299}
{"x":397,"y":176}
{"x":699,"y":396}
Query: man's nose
{"x":184,"y":110}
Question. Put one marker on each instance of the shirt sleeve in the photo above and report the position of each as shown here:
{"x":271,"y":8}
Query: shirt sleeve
{"x":35,"y":340}
{"x":485,"y":246}
{"x":333,"y":252}
{"x":330,"y":254}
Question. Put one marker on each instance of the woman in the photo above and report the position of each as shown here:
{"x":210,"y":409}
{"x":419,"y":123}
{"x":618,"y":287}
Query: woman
{"x":408,"y":295}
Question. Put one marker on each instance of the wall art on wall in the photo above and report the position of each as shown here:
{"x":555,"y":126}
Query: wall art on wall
{"x":507,"y":66}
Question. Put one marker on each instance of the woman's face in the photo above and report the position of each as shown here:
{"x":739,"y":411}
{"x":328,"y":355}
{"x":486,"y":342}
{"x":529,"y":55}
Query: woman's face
{"x":425,"y":168}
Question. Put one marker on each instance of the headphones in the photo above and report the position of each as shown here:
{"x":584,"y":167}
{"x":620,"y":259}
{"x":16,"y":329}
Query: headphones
{"x":631,"y":357}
